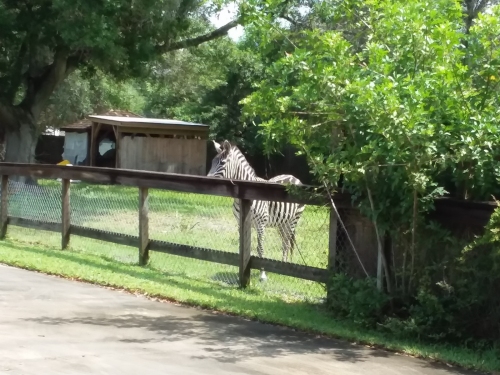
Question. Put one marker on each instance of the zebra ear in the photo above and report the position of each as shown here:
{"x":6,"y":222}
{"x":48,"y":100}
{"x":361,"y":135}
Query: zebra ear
{"x":217,"y":147}
{"x":226,"y":145}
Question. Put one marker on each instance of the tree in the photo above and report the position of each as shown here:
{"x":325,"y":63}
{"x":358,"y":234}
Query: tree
{"x":389,"y":110}
{"x":221,"y":106}
{"x":79,"y":96}
{"x":180,"y":79}
{"x":472,"y":9}
{"x":42,"y":42}
{"x":206,"y":84}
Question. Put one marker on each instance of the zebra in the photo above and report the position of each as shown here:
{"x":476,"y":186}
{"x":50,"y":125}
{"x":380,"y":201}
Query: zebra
{"x":231,"y":163}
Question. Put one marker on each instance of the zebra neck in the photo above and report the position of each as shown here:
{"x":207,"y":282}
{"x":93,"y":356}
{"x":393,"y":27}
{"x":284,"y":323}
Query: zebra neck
{"x":242,"y":170}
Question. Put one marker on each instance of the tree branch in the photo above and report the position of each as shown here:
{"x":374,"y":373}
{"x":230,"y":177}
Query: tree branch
{"x":472,"y":10}
{"x":41,"y":87}
{"x":289,"y":19}
{"x":193,"y":42}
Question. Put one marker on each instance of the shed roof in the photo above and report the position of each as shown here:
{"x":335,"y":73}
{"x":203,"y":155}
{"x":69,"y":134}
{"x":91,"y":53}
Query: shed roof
{"x":145,"y":122}
{"x":87,"y":122}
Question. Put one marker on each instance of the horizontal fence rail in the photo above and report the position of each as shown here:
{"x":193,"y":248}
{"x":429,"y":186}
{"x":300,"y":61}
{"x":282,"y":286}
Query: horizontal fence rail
{"x":210,"y":255}
{"x":238,"y":189}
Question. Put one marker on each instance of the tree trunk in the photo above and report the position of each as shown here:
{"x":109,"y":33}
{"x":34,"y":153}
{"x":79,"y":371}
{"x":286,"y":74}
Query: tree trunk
{"x":18,"y":122}
{"x":20,"y":145}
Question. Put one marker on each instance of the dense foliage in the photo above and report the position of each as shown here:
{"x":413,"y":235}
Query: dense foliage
{"x":206,"y":85}
{"x":399,"y":101}
{"x":80,"y":95}
{"x":456,"y":299}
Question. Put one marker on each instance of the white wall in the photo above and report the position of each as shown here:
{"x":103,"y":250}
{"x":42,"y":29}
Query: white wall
{"x":75,"y":145}
{"x":106,"y":145}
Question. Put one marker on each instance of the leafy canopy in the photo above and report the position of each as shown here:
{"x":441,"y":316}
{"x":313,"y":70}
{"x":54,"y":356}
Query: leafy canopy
{"x":42,"y":42}
{"x":391,"y":108}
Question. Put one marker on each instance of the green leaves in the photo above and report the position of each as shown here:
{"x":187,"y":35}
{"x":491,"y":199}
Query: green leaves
{"x":118,"y":37}
{"x":80,"y":96}
{"x":391,"y":109}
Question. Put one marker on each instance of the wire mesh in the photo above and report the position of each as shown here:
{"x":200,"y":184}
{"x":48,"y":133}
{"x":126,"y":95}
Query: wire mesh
{"x":105,"y":207}
{"x":34,"y":237}
{"x":41,"y":202}
{"x":108,"y":208}
{"x":183,"y":218}
{"x":196,"y":220}
{"x":310,"y":249}
{"x":356,"y":254}
{"x":35,"y":202}
{"x":208,"y":221}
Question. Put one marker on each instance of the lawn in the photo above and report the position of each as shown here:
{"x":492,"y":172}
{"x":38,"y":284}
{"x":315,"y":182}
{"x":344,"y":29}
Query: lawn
{"x":190,"y":219}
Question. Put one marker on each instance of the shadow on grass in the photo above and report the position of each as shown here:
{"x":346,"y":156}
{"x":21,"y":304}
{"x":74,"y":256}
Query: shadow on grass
{"x":227,"y":278}
{"x":226,"y":339}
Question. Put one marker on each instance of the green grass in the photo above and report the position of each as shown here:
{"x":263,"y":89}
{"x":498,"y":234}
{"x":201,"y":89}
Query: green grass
{"x":177,"y":285}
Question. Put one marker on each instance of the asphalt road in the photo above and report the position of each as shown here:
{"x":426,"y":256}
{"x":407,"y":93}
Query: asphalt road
{"x":53,"y":326}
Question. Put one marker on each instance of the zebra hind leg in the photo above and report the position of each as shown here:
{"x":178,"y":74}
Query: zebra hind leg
{"x":293,"y":244}
{"x":286,"y":241}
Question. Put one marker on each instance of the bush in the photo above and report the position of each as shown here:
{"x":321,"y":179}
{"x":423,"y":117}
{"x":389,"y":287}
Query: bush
{"x":431,"y":315}
{"x":456,"y":301}
{"x":465,"y":304}
{"x":356,"y":300}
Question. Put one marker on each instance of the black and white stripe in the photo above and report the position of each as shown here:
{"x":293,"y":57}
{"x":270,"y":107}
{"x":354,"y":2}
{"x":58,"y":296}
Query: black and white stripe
{"x":231,"y":163}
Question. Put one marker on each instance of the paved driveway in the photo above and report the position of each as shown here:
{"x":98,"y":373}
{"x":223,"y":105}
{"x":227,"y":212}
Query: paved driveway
{"x":54,"y":326}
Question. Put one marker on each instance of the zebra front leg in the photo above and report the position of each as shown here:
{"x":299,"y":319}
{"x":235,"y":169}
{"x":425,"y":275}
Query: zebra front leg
{"x":260,"y":250}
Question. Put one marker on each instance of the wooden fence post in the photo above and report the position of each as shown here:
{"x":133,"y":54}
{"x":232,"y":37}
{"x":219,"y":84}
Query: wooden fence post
{"x":332,"y":246}
{"x":143,"y":226}
{"x":245,"y":229}
{"x":4,"y":206}
{"x":66,"y":215}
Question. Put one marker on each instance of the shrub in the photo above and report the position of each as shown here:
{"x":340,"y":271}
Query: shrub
{"x":465,"y":304}
{"x":459,"y":302}
{"x":356,"y":300}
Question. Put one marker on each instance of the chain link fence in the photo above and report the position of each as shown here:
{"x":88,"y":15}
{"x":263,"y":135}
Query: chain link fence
{"x":184,"y":218}
{"x":208,"y":221}
{"x":195,"y":220}
{"x":311,"y":249}
{"x":108,"y":208}
{"x":35,"y":202}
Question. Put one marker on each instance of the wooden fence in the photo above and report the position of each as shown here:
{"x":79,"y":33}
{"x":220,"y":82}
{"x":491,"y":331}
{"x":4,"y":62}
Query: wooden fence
{"x":245,"y":191}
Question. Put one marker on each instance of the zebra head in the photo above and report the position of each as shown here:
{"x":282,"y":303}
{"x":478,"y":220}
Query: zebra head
{"x":221,"y":160}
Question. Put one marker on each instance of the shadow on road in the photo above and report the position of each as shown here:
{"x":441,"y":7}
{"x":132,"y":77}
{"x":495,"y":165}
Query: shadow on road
{"x":231,"y":340}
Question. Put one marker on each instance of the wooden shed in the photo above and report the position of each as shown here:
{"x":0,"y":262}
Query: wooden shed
{"x":133,"y":142}
{"x":77,"y":139}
